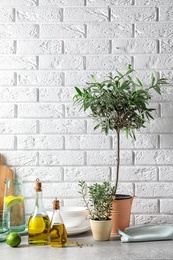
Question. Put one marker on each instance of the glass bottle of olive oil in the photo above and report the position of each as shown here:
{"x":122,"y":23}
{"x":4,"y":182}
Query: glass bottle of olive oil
{"x":39,"y":222}
{"x":57,"y":230}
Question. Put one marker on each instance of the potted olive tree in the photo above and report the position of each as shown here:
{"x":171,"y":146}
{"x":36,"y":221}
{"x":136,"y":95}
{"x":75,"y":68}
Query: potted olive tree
{"x":99,"y":206}
{"x":119,"y":103}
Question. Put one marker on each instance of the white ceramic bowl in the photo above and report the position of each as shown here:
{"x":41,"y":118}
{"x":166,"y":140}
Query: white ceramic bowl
{"x":72,"y":216}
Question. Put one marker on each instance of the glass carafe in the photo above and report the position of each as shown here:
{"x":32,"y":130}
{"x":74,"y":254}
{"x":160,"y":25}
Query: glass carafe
{"x":14,"y":202}
{"x":57,"y":230}
{"x":39,"y":222}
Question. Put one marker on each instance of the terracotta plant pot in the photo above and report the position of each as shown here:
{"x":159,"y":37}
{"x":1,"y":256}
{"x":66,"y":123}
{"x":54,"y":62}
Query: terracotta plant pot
{"x":101,"y":230}
{"x":121,"y":212}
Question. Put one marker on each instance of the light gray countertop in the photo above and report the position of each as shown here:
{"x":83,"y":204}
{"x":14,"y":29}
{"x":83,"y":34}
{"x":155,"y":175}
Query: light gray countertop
{"x":91,"y":250}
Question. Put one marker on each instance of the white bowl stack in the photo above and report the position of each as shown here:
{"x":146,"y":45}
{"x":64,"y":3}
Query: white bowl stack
{"x":73,"y":217}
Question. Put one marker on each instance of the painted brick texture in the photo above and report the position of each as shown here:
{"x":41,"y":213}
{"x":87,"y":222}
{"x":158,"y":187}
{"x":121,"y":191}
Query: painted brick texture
{"x":49,"y":46}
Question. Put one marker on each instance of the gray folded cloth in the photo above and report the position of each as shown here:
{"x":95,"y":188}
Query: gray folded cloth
{"x":144,"y":233}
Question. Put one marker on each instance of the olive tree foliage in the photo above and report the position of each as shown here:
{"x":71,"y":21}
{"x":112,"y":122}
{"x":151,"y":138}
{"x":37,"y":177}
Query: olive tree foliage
{"x":119,"y":103}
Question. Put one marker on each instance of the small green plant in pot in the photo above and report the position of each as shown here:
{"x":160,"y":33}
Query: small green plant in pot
{"x":99,"y":205}
{"x":119,"y":103}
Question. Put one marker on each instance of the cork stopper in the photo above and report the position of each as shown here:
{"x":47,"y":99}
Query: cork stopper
{"x":56,"y":204}
{"x":38,"y":185}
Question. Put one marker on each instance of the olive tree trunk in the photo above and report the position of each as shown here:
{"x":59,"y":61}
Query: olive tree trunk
{"x":117,"y":159}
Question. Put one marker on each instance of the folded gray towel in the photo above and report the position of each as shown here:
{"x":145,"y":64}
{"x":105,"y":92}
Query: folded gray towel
{"x":146,"y":233}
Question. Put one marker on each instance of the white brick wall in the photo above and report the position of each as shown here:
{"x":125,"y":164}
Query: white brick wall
{"x":49,"y":46}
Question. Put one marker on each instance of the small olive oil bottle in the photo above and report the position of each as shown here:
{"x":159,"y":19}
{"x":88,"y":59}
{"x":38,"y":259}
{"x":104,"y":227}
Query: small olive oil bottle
{"x":57,"y":230}
{"x":39,"y":222}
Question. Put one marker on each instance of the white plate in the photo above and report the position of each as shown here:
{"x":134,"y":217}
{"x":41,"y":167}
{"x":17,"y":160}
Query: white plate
{"x":84,"y":227}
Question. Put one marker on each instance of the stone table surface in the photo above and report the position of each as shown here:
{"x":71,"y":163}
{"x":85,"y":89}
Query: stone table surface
{"x":91,"y":250}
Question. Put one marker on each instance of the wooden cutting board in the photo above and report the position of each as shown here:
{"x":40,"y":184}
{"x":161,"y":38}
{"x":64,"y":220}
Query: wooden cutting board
{"x":5,"y":173}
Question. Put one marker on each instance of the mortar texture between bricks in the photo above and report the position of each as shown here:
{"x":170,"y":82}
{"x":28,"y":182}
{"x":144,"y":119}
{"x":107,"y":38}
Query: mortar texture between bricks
{"x":49,"y":46}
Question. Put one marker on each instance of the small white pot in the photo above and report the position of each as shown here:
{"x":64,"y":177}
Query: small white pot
{"x":101,"y":230}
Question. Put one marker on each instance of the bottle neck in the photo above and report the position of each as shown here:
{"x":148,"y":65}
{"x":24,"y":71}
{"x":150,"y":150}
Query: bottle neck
{"x":38,"y":200}
{"x":56,"y":217}
{"x":39,"y":209}
{"x":57,"y":211}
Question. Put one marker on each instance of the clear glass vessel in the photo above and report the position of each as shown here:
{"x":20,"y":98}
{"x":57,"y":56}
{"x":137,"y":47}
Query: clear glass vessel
{"x":14,"y":202}
{"x":39,"y":222}
{"x":57,"y":230}
{"x":4,"y":224}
